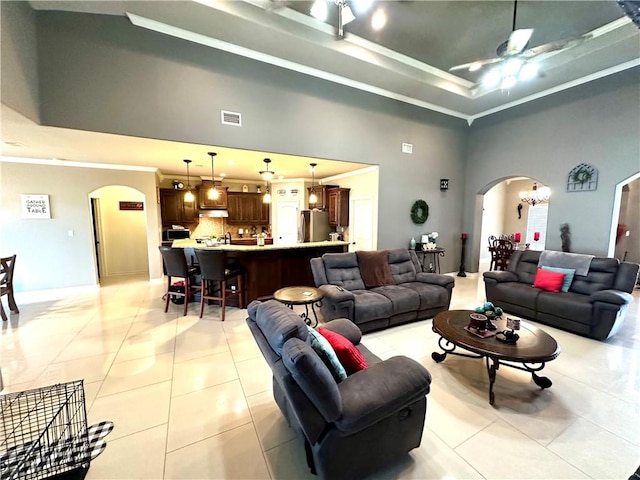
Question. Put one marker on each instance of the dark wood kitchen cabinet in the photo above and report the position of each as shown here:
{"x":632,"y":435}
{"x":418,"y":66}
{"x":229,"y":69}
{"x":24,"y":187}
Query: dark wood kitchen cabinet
{"x":338,"y":202}
{"x":247,"y":209}
{"x":321,"y":192}
{"x":174,"y":210}
{"x":206,"y":202}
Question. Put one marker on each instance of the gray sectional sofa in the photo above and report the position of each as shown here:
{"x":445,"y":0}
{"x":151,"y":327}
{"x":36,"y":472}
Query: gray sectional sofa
{"x":351,"y":428}
{"x":414,"y":295}
{"x":594,"y":306}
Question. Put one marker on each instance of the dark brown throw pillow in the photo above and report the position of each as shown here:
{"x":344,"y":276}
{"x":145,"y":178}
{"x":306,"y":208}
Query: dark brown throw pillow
{"x":374,"y":268}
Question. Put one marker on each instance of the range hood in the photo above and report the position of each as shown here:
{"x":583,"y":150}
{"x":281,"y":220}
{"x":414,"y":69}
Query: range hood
{"x":213,"y":213}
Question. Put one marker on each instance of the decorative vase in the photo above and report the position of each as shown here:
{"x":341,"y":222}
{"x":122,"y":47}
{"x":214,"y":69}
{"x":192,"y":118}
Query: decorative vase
{"x":412,"y":244}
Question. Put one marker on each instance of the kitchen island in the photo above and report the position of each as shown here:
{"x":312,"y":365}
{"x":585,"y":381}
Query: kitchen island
{"x":271,"y":267}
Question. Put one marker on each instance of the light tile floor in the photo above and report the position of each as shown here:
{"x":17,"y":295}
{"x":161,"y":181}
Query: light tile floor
{"x":191,"y":398}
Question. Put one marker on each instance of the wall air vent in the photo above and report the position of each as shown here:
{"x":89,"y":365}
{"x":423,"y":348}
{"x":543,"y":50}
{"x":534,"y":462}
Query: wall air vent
{"x":231,"y":118}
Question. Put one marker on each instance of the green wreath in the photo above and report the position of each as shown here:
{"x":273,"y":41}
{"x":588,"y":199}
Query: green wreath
{"x":581,"y":176}
{"x":419,"y":212}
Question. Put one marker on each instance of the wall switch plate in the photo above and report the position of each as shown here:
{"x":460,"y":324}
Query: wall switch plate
{"x":407,"y":148}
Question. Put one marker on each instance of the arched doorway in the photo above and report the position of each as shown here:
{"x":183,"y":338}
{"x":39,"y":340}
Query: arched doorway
{"x":119,"y":231}
{"x":499,"y":211}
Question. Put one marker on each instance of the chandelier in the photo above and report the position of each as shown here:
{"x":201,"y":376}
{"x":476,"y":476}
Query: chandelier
{"x":536,"y":195}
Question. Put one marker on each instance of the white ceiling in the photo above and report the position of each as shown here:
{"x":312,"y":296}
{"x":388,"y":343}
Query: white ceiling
{"x":407,"y":61}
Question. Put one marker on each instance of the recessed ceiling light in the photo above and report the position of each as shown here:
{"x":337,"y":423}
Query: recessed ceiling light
{"x":231,"y":162}
{"x":223,"y":174}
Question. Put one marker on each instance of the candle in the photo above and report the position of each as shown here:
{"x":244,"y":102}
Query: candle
{"x":463,"y":236}
{"x":517,"y":237}
{"x":536,"y":236}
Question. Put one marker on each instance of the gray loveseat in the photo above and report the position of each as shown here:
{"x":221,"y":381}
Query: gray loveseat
{"x":415,"y":295}
{"x":350,"y":428}
{"x":594,"y":306}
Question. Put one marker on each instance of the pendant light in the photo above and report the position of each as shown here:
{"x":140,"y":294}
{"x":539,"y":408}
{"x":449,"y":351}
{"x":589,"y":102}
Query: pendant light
{"x":213,"y":193}
{"x":266,"y":174}
{"x":188,"y":196}
{"x":267,"y":196}
{"x":313,"y":198}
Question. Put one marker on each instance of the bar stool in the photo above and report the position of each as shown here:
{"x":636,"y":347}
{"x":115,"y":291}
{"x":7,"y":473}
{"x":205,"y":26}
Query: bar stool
{"x":214,"y":276}
{"x":175,"y":264}
{"x":6,"y":284}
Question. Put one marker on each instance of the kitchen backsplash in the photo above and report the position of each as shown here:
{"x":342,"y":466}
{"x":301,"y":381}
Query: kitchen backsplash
{"x":217,"y":227}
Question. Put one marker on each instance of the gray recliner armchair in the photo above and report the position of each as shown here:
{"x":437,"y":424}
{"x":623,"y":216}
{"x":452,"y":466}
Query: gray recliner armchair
{"x":350,"y":428}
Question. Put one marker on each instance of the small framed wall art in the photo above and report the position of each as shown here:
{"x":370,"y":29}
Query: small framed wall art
{"x":35,"y":206}
{"x":582,"y":178}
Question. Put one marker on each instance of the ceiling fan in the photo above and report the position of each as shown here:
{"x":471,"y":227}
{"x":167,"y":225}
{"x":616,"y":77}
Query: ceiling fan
{"x":515,"y":47}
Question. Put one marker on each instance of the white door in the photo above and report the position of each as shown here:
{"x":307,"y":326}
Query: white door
{"x":361,"y":224}
{"x":287,"y":223}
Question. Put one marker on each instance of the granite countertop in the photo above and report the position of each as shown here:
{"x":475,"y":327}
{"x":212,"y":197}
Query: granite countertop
{"x":189,"y":243}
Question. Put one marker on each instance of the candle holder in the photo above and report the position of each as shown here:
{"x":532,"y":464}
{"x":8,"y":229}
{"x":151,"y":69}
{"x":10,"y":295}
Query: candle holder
{"x":463,"y":238}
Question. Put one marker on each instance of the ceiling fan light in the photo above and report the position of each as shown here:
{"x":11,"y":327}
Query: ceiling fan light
{"x":528,"y":71}
{"x":319,"y":10}
{"x":474,"y":67}
{"x":361,"y":6}
{"x":347,"y":14}
{"x":508,"y":82}
{"x":378,"y":19}
{"x":511,"y":67}
{"x":491,"y":79}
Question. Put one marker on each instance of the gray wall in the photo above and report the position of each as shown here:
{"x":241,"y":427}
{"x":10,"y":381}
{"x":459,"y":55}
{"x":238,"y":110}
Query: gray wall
{"x":47,"y":257}
{"x":101,"y":73}
{"x":597,"y":123}
{"x":19,"y":76}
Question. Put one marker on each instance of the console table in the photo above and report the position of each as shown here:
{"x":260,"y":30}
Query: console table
{"x":430,"y":259}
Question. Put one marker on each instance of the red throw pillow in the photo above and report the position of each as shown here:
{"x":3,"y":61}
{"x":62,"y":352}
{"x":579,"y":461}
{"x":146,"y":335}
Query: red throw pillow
{"x":348,"y":354}
{"x":548,"y":280}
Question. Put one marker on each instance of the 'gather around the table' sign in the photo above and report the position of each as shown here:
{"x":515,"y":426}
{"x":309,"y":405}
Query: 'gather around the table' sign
{"x":35,"y":206}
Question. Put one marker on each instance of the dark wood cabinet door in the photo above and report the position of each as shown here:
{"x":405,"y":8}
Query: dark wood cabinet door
{"x":247,"y":209}
{"x":338,"y":203}
{"x":174,"y":210}
{"x":170,"y":207}
{"x":206,"y":202}
{"x":322,"y":194}
{"x":190,"y":211}
{"x":234,"y":207}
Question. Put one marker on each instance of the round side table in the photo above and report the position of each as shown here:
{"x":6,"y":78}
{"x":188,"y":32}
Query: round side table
{"x":306,"y":296}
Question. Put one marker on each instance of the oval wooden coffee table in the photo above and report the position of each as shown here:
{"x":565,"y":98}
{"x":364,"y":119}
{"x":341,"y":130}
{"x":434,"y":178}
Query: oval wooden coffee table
{"x":306,"y":296}
{"x":533,"y":349}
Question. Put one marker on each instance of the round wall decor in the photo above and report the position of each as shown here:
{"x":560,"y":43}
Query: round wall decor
{"x":419,"y":212}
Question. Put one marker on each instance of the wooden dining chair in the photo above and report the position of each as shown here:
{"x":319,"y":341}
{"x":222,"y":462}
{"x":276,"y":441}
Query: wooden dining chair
{"x":175,"y":265}
{"x":215,"y":273}
{"x":7,"y":265}
{"x":502,"y":250}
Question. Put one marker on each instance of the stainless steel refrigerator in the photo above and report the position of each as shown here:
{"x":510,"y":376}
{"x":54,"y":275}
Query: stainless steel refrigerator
{"x":314,"y":226}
